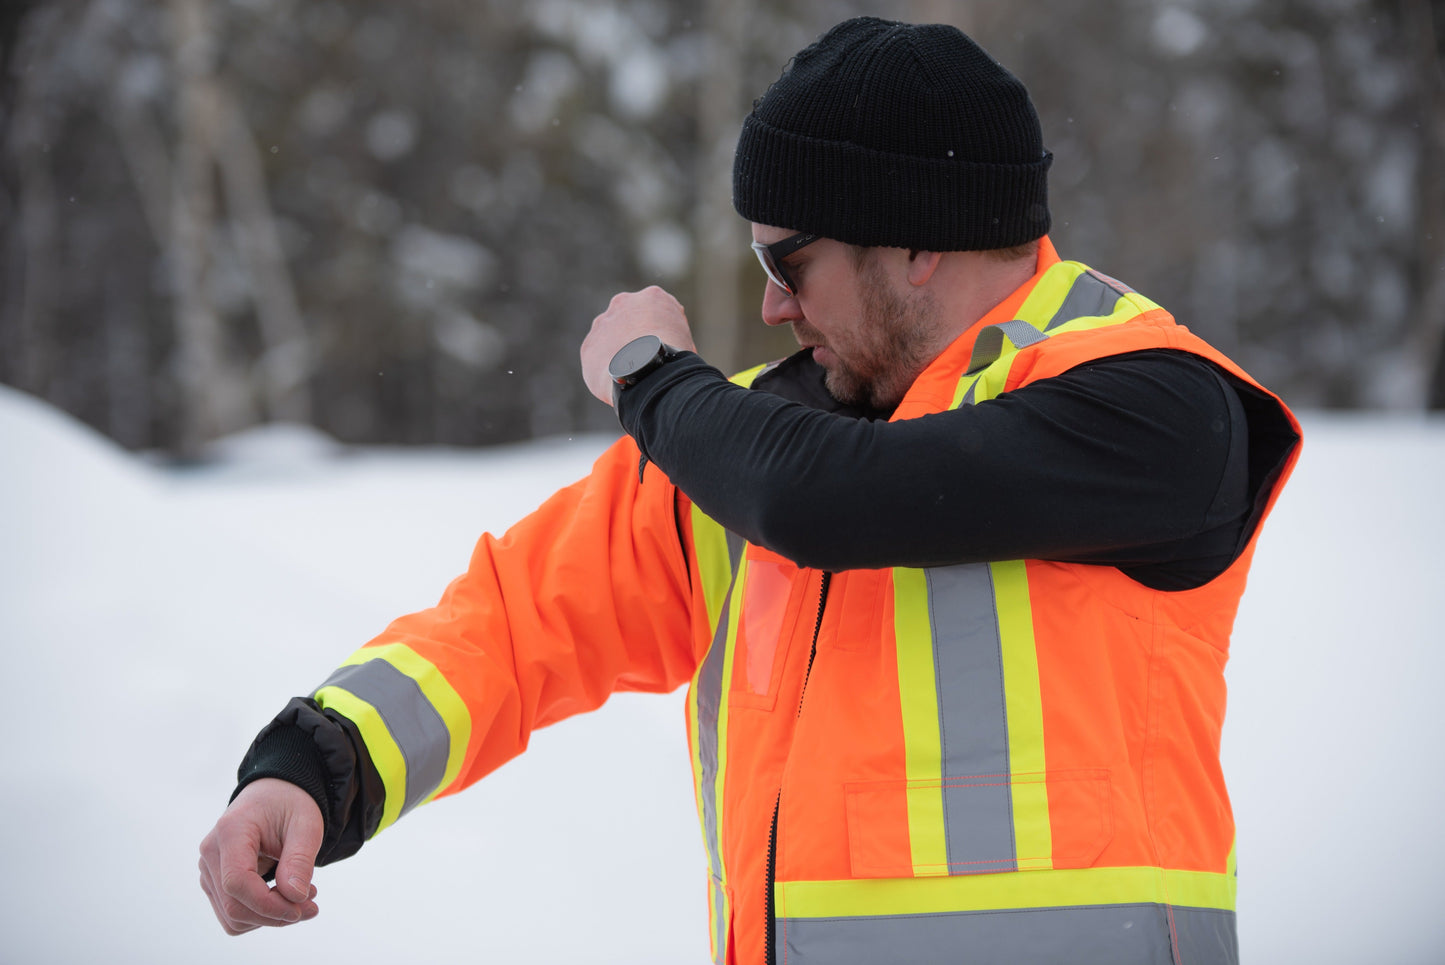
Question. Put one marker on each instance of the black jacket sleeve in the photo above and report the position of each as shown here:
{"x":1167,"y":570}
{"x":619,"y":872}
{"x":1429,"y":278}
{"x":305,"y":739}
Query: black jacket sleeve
{"x":1140,"y":461}
{"x":322,"y":753}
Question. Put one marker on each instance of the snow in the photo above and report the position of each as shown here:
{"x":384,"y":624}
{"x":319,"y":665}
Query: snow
{"x":154,"y":619}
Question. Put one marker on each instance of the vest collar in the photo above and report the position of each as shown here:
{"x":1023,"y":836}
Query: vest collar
{"x":933,"y":390}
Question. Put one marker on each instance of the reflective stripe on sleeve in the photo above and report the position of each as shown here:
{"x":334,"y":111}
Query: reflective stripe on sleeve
{"x":414,"y":724}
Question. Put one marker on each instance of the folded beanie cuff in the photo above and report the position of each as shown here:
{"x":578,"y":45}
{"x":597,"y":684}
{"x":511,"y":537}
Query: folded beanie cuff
{"x":866,"y":197}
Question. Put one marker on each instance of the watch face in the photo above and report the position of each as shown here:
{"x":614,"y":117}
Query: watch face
{"x":634,"y":356}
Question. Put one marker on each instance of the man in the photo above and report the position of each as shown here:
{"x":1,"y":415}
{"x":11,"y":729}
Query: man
{"x":953,"y":586}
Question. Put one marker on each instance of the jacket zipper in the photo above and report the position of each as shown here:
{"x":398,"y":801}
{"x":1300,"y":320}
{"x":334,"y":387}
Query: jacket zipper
{"x":770,"y":931}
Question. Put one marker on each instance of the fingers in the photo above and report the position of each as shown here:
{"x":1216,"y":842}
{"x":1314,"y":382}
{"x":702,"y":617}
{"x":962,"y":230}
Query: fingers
{"x":301,"y":841}
{"x":241,"y":900}
{"x":236,"y":918}
{"x":651,"y":311}
{"x":208,"y":886}
{"x":270,"y":820}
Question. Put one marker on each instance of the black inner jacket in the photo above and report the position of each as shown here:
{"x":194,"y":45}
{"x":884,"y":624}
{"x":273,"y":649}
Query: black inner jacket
{"x":1157,"y":462}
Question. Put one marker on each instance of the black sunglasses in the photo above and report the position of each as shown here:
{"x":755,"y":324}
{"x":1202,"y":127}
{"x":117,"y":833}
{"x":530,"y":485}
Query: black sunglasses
{"x":771,"y":258}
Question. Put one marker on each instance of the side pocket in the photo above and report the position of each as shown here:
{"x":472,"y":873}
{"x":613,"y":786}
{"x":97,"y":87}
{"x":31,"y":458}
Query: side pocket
{"x":969,"y":824}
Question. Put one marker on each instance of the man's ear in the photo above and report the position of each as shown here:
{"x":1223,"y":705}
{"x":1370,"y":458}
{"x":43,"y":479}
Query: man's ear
{"x":922,"y":265}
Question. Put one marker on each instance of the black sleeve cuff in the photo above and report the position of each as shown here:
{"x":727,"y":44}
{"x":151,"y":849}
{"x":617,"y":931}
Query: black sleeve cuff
{"x":287,"y":752}
{"x":637,"y":399}
{"x":320,"y":752}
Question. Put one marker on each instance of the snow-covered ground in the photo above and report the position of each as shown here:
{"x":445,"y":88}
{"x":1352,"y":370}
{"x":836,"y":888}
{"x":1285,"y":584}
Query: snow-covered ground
{"x":152,"y":620}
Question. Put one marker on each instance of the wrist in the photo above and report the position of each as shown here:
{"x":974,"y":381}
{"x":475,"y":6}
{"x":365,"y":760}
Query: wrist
{"x":637,"y":360}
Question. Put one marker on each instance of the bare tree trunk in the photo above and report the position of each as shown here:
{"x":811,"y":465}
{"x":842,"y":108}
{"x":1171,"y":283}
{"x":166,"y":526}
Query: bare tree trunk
{"x":719,"y":233}
{"x":1429,"y":326}
{"x":287,"y":362}
{"x":13,"y":321}
{"x":39,"y":230}
{"x":143,"y":146}
{"x":213,"y":402}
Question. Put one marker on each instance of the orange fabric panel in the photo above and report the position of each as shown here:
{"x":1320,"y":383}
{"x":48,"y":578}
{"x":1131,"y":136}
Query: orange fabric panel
{"x":759,"y":733}
{"x":1093,"y":681}
{"x":1189,"y":810}
{"x":850,"y":732}
{"x":529,"y":635}
{"x":851,"y":702}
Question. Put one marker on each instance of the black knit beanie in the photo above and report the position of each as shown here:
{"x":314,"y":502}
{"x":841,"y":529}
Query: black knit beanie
{"x":899,"y":135}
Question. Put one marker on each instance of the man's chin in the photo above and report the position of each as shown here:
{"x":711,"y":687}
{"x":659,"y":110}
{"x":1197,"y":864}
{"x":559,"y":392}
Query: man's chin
{"x":845,"y":386}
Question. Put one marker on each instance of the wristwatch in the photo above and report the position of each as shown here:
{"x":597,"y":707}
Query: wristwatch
{"x":636,"y":360}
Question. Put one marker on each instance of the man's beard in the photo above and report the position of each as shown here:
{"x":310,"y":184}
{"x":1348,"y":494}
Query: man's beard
{"x":895,"y":346}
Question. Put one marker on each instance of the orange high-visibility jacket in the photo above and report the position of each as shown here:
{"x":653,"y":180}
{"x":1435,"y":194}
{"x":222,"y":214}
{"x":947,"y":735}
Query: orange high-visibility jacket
{"x":1014,"y":761}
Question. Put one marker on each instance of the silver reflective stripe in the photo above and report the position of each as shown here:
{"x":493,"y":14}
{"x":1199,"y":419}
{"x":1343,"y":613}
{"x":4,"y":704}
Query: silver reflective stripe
{"x":736,"y":545}
{"x":989,"y":344}
{"x":419,"y":731}
{"x":968,"y":396}
{"x":709,"y":703}
{"x":719,"y":915}
{"x":972,"y":721}
{"x":1091,"y":935}
{"x":1090,"y":295}
{"x":1206,"y":935}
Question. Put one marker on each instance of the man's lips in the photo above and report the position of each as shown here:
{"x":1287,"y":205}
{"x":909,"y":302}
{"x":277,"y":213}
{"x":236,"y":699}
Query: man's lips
{"x":813,"y":342}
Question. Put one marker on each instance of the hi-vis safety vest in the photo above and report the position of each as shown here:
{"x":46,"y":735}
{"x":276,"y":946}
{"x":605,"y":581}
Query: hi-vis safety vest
{"x":993,"y":763}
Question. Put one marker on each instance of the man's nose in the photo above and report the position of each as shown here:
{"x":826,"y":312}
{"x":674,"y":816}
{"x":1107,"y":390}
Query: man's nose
{"x":779,"y":308}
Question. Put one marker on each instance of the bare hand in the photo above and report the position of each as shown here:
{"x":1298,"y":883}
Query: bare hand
{"x":271,"y":824}
{"x":630,"y":315}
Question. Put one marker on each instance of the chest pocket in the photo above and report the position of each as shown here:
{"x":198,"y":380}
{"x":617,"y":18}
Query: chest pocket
{"x":856,"y":611}
{"x":766,"y":618}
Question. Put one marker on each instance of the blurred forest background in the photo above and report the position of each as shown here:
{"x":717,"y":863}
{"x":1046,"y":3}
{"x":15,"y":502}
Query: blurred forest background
{"x":395,"y":221}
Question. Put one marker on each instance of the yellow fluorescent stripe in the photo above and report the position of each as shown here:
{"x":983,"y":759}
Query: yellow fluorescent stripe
{"x":991,"y":381}
{"x":746,"y":376}
{"x":714,"y":572}
{"x":385,"y":754}
{"x":961,"y":391}
{"x":438,"y":692}
{"x":1032,"y":837}
{"x":865,"y":897}
{"x":719,"y":784}
{"x":1124,"y":309}
{"x":918,"y":688}
{"x":1049,"y":293}
{"x":694,"y":725}
{"x":710,"y":545}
